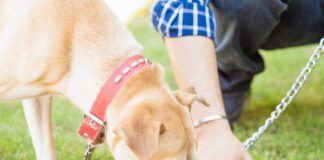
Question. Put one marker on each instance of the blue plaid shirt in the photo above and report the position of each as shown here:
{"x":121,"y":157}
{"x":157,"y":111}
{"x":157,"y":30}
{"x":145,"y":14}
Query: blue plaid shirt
{"x":178,"y":18}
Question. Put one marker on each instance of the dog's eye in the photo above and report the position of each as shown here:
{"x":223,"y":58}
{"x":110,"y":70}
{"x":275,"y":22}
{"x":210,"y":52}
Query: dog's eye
{"x":162,"y":129}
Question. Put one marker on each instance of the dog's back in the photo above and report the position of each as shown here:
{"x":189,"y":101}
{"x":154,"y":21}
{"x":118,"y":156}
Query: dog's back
{"x":39,"y":39}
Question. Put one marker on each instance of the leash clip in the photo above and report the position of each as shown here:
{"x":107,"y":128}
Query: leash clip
{"x":88,"y":153}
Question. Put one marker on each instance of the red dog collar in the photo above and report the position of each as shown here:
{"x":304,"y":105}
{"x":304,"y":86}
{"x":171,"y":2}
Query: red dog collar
{"x":93,"y":126}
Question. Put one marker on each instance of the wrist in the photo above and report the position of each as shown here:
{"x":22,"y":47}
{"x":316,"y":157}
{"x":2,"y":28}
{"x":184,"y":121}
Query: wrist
{"x":200,"y":111}
{"x":210,"y":118}
{"x":216,"y":125}
{"x":212,"y":127}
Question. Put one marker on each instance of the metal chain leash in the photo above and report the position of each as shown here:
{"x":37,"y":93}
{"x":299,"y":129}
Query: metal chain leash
{"x":88,"y":153}
{"x":290,"y":95}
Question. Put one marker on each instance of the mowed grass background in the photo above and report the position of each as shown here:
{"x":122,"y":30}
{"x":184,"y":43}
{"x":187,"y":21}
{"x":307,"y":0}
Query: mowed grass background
{"x":297,"y":135}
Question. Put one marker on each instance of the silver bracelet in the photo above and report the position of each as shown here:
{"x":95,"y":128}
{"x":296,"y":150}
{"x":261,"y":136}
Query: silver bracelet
{"x":208,"y":119}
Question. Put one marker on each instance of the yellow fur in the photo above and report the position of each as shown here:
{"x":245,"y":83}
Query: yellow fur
{"x":70,"y":47}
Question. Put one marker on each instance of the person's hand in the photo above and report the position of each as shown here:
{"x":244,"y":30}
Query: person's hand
{"x":217,"y":142}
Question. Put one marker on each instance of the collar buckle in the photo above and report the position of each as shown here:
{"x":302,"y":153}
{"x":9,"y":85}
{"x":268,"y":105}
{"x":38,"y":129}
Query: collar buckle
{"x":94,"y":119}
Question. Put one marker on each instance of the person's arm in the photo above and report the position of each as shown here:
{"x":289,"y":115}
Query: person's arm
{"x":193,"y":61}
{"x":193,"y":58}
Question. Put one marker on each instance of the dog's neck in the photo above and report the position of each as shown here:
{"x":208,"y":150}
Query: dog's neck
{"x":99,"y":43}
{"x":146,"y":87}
{"x":84,"y":81}
{"x":71,"y":48}
{"x":148,"y":80}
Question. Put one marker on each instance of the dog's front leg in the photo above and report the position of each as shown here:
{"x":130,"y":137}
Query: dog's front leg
{"x":38,"y":116}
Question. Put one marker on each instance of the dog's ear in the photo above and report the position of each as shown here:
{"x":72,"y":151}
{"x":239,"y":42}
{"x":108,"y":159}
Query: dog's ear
{"x":187,"y":96}
{"x":141,"y":133}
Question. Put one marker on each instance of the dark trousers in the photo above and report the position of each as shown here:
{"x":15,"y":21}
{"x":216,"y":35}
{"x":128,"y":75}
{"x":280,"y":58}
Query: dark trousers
{"x":245,"y":26}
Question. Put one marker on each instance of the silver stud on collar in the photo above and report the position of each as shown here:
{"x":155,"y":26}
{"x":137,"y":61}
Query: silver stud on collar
{"x":118,"y":79}
{"x":126,"y":70}
{"x":141,"y":60}
{"x":134,"y":64}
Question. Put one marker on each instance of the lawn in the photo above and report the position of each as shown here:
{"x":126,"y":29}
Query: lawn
{"x":297,"y":135}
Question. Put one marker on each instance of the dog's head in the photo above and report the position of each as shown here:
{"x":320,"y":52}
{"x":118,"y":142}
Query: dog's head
{"x":154,"y":123}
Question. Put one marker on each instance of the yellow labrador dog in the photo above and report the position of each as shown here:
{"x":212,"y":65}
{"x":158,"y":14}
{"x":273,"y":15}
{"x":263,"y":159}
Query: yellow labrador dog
{"x":70,"y":47}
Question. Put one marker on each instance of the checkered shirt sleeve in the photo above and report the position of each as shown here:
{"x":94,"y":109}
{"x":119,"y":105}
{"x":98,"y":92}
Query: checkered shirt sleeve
{"x":178,"y":18}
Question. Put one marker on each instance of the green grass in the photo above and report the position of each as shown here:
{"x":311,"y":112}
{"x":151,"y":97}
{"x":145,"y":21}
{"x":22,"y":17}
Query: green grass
{"x":297,"y":135}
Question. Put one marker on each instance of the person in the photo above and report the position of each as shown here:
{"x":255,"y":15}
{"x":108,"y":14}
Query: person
{"x":194,"y":30}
